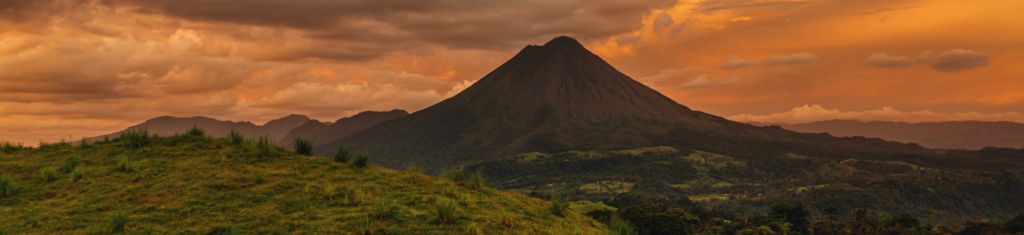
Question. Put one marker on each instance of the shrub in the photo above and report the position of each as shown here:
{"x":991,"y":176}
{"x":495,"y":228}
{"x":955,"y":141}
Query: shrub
{"x":84,"y":144}
{"x":6,"y":185}
{"x":362,"y":160}
{"x":135,"y":138}
{"x":126,"y":164}
{"x":76,"y":175}
{"x":70,"y":164}
{"x":445,"y":210}
{"x":413,"y":168}
{"x":559,"y":205}
{"x":382,"y":207}
{"x":195,"y":131}
{"x":454,"y":175}
{"x":235,"y":137}
{"x":118,"y":222}
{"x":303,"y":147}
{"x":50,"y":173}
{"x":343,"y":154}
{"x":476,"y":181}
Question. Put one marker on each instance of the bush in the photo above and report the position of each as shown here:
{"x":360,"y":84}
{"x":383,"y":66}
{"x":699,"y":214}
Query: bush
{"x":126,"y":164}
{"x":70,"y":164}
{"x":454,"y":175}
{"x":6,"y":185}
{"x":445,"y":210}
{"x":304,"y":147}
{"x":8,"y":147}
{"x":118,"y":222}
{"x":343,"y":154}
{"x":476,"y":181}
{"x":235,"y":137}
{"x":559,"y":205}
{"x":135,"y":138}
{"x":50,"y":173}
{"x":362,"y":160}
{"x":195,"y":131}
{"x":76,"y":175}
{"x":413,"y":168}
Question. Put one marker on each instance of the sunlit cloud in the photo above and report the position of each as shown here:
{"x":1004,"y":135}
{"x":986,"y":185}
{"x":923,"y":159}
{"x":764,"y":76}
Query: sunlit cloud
{"x":802,"y":58}
{"x":735,"y":62}
{"x":814,"y":113}
{"x":959,"y":60}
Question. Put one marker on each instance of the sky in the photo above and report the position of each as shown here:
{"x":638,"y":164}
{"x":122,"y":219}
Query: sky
{"x":77,"y":68}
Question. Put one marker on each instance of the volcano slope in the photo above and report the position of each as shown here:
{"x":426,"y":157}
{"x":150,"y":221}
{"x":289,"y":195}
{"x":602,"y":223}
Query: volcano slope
{"x":559,"y":97}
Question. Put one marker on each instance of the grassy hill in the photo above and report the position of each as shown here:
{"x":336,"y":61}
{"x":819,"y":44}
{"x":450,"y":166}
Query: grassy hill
{"x":196,"y":184}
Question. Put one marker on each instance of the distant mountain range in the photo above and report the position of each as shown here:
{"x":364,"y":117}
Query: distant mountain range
{"x":281,"y":131}
{"x":940,"y":135}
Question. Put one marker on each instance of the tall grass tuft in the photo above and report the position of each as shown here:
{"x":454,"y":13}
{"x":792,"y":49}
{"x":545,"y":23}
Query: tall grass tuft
{"x":84,"y":144}
{"x":77,"y":174}
{"x":50,"y":173}
{"x":262,"y":146}
{"x":559,"y":205}
{"x":622,"y":228}
{"x":383,"y":207}
{"x":6,"y":185}
{"x":362,"y":160}
{"x":126,"y":164}
{"x":135,"y":138}
{"x":303,"y":147}
{"x":413,"y":168}
{"x":444,"y":209}
{"x":235,"y":137}
{"x":118,"y":222}
{"x":70,"y":164}
{"x":476,"y":181}
{"x":454,"y":175}
{"x":195,"y":131}
{"x":506,"y":219}
{"x":343,"y":155}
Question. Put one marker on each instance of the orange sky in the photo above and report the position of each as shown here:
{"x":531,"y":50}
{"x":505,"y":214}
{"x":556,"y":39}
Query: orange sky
{"x":75,"y":68}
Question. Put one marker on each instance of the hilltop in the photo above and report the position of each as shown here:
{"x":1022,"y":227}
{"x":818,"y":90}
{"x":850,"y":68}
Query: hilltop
{"x":196,"y":184}
{"x":943,"y":135}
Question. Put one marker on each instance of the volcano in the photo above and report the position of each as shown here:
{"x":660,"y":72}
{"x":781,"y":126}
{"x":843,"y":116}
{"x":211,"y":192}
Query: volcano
{"x":560,"y":97}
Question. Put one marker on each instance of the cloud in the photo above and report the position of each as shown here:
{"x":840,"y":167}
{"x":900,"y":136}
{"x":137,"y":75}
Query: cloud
{"x":735,"y":62}
{"x":814,"y":113}
{"x":628,"y":39}
{"x":663,"y":20}
{"x":802,"y":58}
{"x":708,"y":81}
{"x":671,"y":77}
{"x":881,"y":60}
{"x":717,"y":5}
{"x":959,"y":60}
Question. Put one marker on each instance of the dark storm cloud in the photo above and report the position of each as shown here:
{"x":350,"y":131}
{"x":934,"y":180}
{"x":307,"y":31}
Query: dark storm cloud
{"x":491,"y":24}
{"x":716,"y":5}
{"x":959,"y":60}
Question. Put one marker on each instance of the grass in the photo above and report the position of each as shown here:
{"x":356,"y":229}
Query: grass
{"x":6,"y":186}
{"x":476,"y":181}
{"x":50,"y":173}
{"x":134,"y":138}
{"x":70,"y":164}
{"x":382,"y":208}
{"x":77,"y":174}
{"x":559,"y":205}
{"x":608,"y":186}
{"x":455,"y":175}
{"x":84,"y":143}
{"x":126,"y":164}
{"x":343,"y":155}
{"x":195,"y":131}
{"x":213,"y":186}
{"x":444,"y":210}
{"x":118,"y":222}
{"x":303,"y":147}
{"x":413,"y":168}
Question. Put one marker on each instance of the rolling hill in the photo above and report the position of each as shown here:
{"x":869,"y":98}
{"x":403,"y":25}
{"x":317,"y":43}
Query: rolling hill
{"x":325,"y":133}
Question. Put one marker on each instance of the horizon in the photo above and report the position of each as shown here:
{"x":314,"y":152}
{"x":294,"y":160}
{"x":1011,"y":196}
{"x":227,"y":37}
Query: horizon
{"x":105,"y":66}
